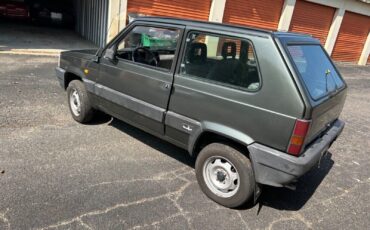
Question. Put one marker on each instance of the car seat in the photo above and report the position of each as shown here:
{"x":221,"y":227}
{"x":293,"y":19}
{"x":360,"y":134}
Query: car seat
{"x":229,"y":68}
{"x":196,"y":60}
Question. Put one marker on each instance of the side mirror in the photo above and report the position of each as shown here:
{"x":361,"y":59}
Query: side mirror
{"x":109,"y":54}
{"x":95,"y":59}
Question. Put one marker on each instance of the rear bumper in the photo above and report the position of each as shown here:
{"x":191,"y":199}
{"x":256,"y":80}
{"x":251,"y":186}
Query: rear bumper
{"x":276,"y":168}
{"x":60,"y":73}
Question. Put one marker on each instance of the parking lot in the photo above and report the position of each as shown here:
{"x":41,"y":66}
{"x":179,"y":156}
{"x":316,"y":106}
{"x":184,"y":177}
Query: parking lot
{"x":58,"y":174}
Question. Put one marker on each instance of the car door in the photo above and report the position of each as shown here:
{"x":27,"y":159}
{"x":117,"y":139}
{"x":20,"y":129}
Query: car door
{"x":136,"y":74}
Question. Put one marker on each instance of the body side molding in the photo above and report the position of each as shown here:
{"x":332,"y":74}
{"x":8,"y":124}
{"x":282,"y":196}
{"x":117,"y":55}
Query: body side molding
{"x":141,"y":107}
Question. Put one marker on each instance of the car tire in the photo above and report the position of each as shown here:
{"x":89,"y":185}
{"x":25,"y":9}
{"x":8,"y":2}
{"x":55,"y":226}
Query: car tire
{"x":225,"y":175}
{"x":79,"y":103}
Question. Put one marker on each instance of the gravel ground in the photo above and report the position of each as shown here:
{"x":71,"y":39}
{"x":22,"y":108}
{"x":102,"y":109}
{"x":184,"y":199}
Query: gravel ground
{"x":58,"y":174}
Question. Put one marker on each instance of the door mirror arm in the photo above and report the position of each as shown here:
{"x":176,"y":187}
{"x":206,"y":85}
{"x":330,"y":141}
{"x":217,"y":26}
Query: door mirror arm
{"x":95,"y":59}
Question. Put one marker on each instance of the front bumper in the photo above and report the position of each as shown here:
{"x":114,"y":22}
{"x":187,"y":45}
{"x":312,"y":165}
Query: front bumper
{"x":276,"y":168}
{"x":60,"y":73}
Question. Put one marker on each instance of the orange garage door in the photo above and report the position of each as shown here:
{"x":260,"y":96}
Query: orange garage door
{"x":351,"y":38}
{"x":311,"y":18}
{"x":189,"y":9}
{"x":255,"y":13}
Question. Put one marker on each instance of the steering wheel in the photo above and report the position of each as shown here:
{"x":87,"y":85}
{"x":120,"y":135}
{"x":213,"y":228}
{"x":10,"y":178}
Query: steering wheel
{"x":144,"y":55}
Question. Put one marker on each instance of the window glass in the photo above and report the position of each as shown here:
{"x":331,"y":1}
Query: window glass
{"x":149,"y":45}
{"x":221,"y":59}
{"x":316,"y":70}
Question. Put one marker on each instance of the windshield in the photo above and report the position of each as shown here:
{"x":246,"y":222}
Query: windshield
{"x":151,"y":37}
{"x":316,"y":70}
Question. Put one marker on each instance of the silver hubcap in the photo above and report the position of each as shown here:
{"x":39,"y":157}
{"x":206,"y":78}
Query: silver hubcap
{"x":221,"y":176}
{"x":75,"y":102}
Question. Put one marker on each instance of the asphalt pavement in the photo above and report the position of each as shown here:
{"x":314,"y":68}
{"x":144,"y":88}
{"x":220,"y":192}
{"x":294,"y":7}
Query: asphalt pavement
{"x":58,"y":174}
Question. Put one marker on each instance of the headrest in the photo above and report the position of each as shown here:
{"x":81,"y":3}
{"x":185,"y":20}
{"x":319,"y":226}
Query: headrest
{"x":197,"y":53}
{"x":229,"y":50}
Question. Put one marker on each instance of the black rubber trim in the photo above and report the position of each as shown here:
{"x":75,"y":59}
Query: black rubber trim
{"x":276,"y":168}
{"x":60,"y":73}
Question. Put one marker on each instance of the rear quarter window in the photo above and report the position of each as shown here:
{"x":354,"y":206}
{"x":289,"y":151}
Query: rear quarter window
{"x":316,"y":70}
{"x":222,"y":60}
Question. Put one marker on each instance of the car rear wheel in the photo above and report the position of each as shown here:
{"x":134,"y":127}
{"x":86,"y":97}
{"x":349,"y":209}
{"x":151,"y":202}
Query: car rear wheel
{"x":78,"y":102}
{"x":225,"y":175}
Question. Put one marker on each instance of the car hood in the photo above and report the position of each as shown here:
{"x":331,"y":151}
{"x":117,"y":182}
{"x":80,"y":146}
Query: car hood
{"x":86,"y":53}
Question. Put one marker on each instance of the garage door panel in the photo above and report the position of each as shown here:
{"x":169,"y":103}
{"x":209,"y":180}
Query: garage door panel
{"x":190,"y":9}
{"x":311,"y":18}
{"x":255,"y":13}
{"x":351,"y":38}
{"x":91,"y":20}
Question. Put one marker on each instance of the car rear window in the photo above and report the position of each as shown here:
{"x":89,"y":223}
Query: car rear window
{"x":316,"y":70}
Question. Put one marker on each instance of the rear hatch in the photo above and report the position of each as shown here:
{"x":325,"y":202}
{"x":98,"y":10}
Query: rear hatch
{"x":324,"y":88}
{"x":324,"y":115}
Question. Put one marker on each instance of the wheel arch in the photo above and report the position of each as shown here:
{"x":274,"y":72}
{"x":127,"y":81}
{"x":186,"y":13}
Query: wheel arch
{"x":211,"y":132}
{"x":71,"y":74}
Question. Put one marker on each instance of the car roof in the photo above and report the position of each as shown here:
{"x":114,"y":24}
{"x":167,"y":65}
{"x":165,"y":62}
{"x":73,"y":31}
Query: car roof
{"x":219,"y":26}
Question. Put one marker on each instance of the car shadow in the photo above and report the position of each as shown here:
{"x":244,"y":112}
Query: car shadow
{"x":294,"y":200}
{"x":100,"y":118}
{"x":277,"y":198}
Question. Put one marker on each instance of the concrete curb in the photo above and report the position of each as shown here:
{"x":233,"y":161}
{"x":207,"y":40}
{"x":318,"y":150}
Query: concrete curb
{"x":44,"y":52}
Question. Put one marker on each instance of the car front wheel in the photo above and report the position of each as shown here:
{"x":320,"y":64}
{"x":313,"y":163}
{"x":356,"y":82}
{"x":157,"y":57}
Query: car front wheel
{"x":225,"y":175}
{"x":78,"y":102}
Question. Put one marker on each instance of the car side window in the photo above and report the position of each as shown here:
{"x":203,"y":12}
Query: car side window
{"x":151,"y":46}
{"x":222,"y":60}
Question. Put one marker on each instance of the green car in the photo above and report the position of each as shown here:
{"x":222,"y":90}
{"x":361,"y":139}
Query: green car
{"x":254,"y":107}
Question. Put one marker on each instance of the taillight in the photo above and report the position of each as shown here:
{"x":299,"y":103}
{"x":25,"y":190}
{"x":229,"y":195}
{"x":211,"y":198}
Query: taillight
{"x":299,"y":134}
